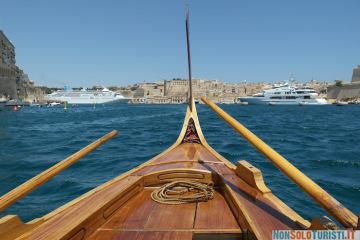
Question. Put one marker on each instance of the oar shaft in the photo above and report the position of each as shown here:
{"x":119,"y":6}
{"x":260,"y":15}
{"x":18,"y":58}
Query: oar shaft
{"x":27,"y":187}
{"x":336,"y":209}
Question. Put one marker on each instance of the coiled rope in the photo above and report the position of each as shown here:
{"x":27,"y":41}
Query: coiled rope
{"x":180,"y":192}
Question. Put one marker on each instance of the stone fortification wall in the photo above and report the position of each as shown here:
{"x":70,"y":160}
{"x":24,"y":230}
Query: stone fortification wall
{"x":8,"y":87}
{"x":356,"y":74}
{"x":176,"y":90}
{"x":344,"y":92}
{"x":215,"y":90}
{"x":8,"y":69}
{"x":30,"y":93}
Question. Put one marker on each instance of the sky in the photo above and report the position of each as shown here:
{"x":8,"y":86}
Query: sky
{"x":121,"y":42}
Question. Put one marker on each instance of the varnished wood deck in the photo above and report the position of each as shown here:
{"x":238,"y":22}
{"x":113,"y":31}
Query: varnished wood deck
{"x":183,"y":156}
{"x":143,"y":217}
{"x":263,"y":214}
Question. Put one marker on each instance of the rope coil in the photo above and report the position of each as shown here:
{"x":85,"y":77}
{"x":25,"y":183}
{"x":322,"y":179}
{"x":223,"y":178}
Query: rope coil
{"x":180,"y":192}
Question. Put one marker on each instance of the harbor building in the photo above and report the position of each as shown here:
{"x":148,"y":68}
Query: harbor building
{"x":175,"y":91}
{"x":216,"y":90}
{"x":346,"y":91}
{"x":14,"y":83}
{"x":356,"y":74}
{"x":8,"y":69}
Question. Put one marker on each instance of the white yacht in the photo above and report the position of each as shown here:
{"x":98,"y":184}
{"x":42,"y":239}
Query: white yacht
{"x":84,"y":96}
{"x":285,"y":95}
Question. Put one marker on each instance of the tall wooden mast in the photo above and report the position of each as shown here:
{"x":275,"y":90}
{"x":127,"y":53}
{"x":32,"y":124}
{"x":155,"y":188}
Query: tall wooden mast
{"x":190,"y":100}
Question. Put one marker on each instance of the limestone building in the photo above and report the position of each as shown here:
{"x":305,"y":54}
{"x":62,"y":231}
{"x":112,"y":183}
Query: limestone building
{"x":356,"y":74}
{"x":176,"y":91}
{"x":346,"y":91}
{"x":8,"y":69}
{"x":215,"y":90}
{"x":14,"y":83}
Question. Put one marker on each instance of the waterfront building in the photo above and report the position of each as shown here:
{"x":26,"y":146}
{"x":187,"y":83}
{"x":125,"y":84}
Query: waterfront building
{"x":174,"y":91}
{"x":215,"y":90}
{"x":8,"y":69}
{"x":152,"y":89}
{"x":356,"y":74}
{"x":346,"y":91}
{"x":14,"y":83}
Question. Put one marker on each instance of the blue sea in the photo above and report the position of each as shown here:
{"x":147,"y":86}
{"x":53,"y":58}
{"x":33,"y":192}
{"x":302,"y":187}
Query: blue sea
{"x":322,"y":141}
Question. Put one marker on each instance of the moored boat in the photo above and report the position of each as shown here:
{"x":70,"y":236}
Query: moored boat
{"x":14,"y":102}
{"x":341,"y":103}
{"x":84,"y":96}
{"x":3,"y":101}
{"x":285,"y":95}
{"x":156,"y":200}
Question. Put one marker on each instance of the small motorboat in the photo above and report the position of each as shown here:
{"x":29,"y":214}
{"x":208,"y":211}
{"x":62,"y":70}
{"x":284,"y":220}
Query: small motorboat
{"x":53,"y":104}
{"x":341,"y":103}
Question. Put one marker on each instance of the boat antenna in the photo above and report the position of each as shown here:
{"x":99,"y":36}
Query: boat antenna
{"x":188,"y":53}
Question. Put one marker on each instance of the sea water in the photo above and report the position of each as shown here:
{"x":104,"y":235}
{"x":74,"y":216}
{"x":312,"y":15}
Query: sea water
{"x":322,"y":141}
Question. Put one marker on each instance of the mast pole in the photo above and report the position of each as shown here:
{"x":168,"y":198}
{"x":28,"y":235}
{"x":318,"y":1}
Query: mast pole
{"x":189,"y":57}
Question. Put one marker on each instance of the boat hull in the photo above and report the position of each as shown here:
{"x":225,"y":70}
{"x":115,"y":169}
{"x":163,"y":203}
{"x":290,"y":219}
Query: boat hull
{"x":267,"y":101}
{"x":81,"y":101}
{"x":85,"y":96}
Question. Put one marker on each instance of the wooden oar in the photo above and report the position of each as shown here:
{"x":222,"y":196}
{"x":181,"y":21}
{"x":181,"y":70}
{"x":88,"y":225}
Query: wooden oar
{"x":27,"y":187}
{"x":330,"y":204}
